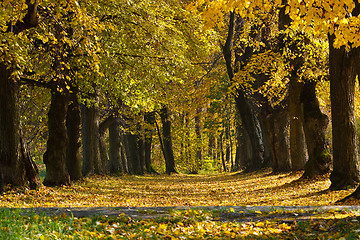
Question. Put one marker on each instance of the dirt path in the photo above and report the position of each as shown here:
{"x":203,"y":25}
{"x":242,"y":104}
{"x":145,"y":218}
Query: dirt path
{"x":228,"y":213}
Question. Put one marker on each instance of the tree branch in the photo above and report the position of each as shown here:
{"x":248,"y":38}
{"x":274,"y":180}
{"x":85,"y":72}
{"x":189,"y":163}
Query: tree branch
{"x":29,"y":21}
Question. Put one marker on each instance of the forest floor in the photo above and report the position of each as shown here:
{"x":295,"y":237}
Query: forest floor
{"x":256,"y":205}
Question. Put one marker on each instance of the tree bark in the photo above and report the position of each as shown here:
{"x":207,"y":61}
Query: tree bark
{"x":31,"y":170}
{"x":315,"y":124}
{"x":149,"y":132}
{"x":90,"y":133}
{"x":140,"y":144}
{"x":133,"y":160}
{"x":12,"y":170}
{"x":55,"y":155}
{"x":251,"y":124}
{"x":239,"y":155}
{"x":246,"y":111}
{"x":221,"y":149}
{"x":115,"y":148}
{"x":211,"y":153}
{"x":73,"y":126}
{"x":277,"y":121}
{"x":167,"y":141}
{"x":297,"y":136}
{"x":104,"y":156}
{"x":198,"y":160}
{"x":342,"y":88}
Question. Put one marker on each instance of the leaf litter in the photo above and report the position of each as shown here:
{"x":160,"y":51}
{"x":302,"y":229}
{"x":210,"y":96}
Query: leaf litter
{"x":236,"y":189}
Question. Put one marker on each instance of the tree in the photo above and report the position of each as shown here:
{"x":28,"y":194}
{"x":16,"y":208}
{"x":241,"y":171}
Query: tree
{"x":248,"y":116}
{"x":167,"y":141}
{"x":297,"y":137}
{"x":343,"y":72}
{"x":91,"y":139}
{"x":73,"y":125}
{"x":149,"y":119}
{"x":14,"y":159}
{"x":318,"y":19}
{"x":315,"y":124}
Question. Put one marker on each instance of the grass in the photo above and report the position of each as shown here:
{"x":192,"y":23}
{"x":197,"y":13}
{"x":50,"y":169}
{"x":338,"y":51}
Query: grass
{"x":189,"y":224}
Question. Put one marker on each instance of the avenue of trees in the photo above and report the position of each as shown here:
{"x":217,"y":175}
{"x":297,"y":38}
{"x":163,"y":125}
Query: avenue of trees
{"x":113,"y":87}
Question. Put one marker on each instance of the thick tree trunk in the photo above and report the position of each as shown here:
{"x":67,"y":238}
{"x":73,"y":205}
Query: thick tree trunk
{"x":12,"y":171}
{"x":115,"y":148}
{"x":32,"y":172}
{"x":252,"y":126}
{"x":104,"y":156}
{"x":277,"y":123}
{"x":133,"y":160}
{"x":342,"y":88}
{"x":315,"y":124}
{"x":90,"y":133}
{"x":73,"y":126}
{"x":16,"y":165}
{"x":297,"y":136}
{"x":55,"y":155}
{"x":248,"y":116}
{"x":167,"y":141}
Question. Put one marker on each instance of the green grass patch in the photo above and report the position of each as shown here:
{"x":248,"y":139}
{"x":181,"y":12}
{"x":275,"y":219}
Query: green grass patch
{"x":181,"y":224}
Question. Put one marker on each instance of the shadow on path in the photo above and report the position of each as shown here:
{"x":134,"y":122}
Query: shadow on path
{"x":226,"y":213}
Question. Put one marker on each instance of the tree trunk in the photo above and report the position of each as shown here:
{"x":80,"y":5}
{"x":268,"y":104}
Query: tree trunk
{"x":140,"y":143}
{"x":115,"y":148}
{"x":199,"y":141}
{"x":243,"y":149}
{"x":248,"y":116}
{"x":315,"y":124}
{"x":90,"y":134}
{"x":252,"y":126}
{"x":227,"y":142}
{"x":277,"y":122}
{"x":297,"y":136}
{"x":55,"y":155}
{"x":343,"y":69}
{"x":211,"y":146}
{"x":12,"y":169}
{"x":104,"y":156}
{"x":12,"y":172}
{"x":16,"y":165}
{"x":73,"y":126}
{"x":239,"y":148}
{"x":133,"y":160}
{"x":167,"y":141}
{"x":221,"y":150}
{"x":32,"y":172}
{"x":149,"y":132}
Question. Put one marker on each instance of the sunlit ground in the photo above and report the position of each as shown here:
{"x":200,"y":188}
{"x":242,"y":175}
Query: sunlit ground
{"x":236,"y":189}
